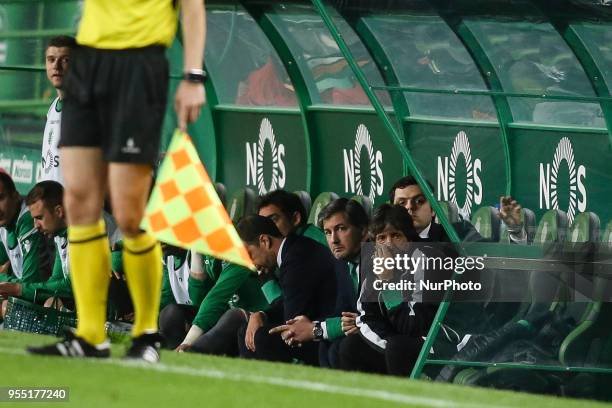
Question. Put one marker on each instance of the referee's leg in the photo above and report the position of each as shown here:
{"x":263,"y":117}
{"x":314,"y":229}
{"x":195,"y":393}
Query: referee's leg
{"x":129,"y":185}
{"x":85,"y":177}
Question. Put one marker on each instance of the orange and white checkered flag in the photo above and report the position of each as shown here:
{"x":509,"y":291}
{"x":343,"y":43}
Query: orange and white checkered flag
{"x":184,"y":209}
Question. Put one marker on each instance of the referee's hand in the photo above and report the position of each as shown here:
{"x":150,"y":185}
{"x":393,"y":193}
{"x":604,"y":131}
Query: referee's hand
{"x":188,"y":102}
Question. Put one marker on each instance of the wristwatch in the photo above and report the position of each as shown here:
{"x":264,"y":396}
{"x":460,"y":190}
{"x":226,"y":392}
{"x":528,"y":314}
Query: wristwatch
{"x":198,"y":76}
{"x":317,"y":331}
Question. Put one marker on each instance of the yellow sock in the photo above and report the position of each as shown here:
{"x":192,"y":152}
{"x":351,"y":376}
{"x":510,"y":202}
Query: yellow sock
{"x":89,"y":258}
{"x":143,"y":271}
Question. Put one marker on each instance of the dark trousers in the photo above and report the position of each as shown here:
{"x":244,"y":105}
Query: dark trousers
{"x":119,"y":300}
{"x":398,"y":358}
{"x":402,"y":353}
{"x":329,"y":353}
{"x":174,"y":321}
{"x":271,"y":347}
{"x":356,"y":354}
{"x":221,"y":338}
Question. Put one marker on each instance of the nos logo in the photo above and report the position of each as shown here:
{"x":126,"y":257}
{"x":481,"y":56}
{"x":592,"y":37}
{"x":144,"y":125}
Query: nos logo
{"x":448,"y":176}
{"x":255,"y":160}
{"x":356,"y":167}
{"x":549,"y":181}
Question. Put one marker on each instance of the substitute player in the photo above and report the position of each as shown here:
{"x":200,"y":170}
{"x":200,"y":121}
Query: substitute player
{"x":57,"y":56}
{"x":115,"y":98}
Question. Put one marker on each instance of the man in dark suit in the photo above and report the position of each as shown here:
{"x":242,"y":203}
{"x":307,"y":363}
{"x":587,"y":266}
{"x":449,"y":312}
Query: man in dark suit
{"x":345,"y":224}
{"x":307,"y":281}
{"x":407,"y":193}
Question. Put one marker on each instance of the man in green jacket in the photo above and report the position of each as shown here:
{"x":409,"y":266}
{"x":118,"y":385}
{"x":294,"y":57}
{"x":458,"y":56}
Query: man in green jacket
{"x":184,"y":286}
{"x":45,"y":205}
{"x":19,"y":257}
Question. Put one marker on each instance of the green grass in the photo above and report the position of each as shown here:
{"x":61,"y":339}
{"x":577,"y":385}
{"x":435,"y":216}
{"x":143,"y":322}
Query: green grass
{"x":189,"y":380}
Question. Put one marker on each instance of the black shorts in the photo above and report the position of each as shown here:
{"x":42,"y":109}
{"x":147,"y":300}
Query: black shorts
{"x":116,"y":100}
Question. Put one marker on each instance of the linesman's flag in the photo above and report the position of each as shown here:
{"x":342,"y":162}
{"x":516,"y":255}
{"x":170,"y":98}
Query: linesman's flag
{"x":184,"y":209}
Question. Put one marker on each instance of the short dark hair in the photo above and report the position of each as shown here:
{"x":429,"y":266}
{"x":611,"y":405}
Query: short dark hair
{"x":7,"y":182}
{"x":252,"y":226}
{"x":354,"y":211}
{"x":403,"y":183}
{"x":288,"y":203}
{"x":62,"y":41}
{"x":50,"y":192}
{"x":396,"y":216}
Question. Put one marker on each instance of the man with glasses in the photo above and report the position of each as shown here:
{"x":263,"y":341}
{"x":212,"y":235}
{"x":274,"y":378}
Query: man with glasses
{"x":407,"y":193}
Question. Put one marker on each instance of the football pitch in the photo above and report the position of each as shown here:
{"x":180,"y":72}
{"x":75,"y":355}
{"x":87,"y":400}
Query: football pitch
{"x":191,"y":380}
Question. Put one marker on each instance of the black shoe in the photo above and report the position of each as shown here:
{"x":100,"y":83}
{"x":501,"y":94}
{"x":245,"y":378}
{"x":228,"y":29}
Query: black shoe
{"x":72,"y":346}
{"x":145,"y":347}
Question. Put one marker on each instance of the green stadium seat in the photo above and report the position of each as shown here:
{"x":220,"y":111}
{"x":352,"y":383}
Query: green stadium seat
{"x":242,"y":203}
{"x":574,"y":349}
{"x":450,"y":210}
{"x":305,"y":199}
{"x":320,"y":203}
{"x":528,"y":218}
{"x":590,"y":329}
{"x":221,"y":192}
{"x":552,"y":227}
{"x":486,"y":221}
{"x":366,"y":203}
{"x":606,"y":235}
{"x":585,"y":228}
{"x":551,"y":230}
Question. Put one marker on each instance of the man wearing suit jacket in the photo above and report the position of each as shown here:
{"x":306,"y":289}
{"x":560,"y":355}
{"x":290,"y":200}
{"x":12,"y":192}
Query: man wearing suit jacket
{"x":407,"y":193}
{"x":345,"y":224}
{"x":307,"y":281}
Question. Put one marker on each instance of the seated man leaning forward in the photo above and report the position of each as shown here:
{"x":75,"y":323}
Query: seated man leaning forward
{"x":307,"y":280}
{"x":20,"y":254}
{"x":45,"y":202}
{"x":214,"y":333}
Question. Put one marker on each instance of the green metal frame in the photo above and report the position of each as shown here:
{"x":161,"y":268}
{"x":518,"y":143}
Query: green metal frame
{"x":592,"y":70}
{"x":518,"y":366}
{"x":565,"y":27}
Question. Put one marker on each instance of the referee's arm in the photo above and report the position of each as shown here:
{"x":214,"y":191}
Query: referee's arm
{"x":190,"y":96}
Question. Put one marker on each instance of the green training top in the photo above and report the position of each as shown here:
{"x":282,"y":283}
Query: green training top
{"x":313,"y":232}
{"x":58,"y":283}
{"x":184,"y":289}
{"x":234,"y":286}
{"x":20,"y":242}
